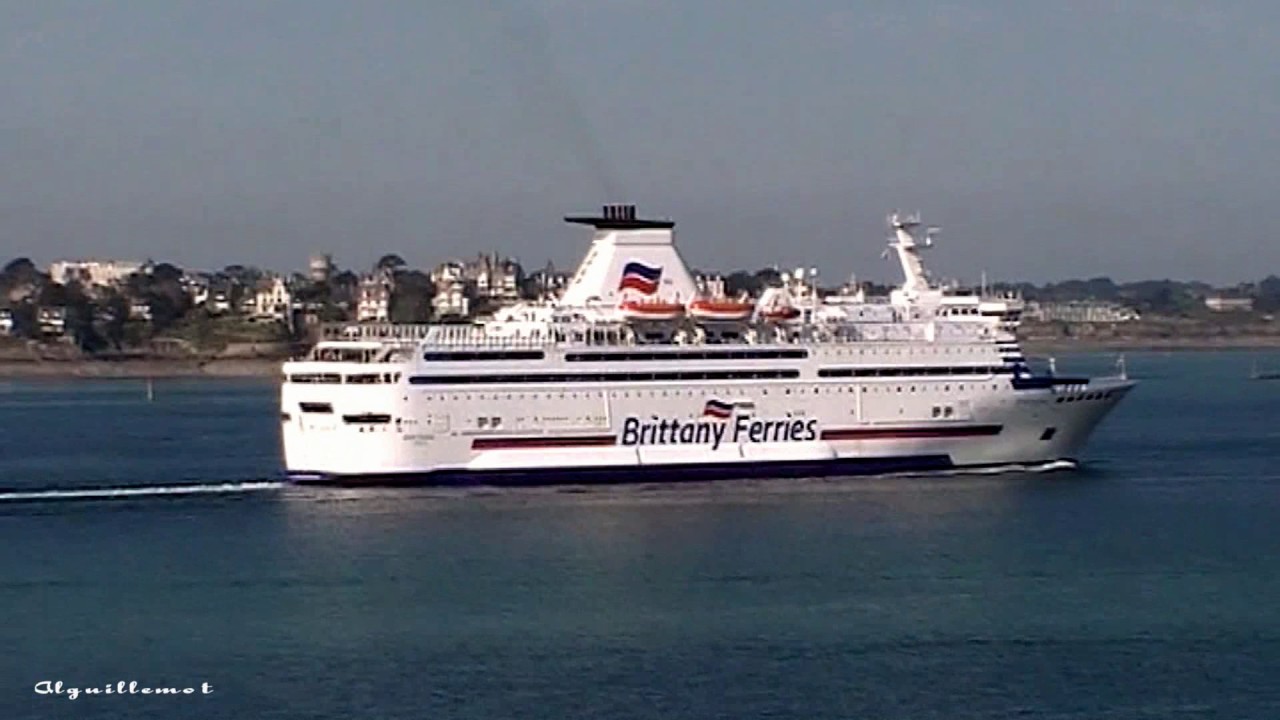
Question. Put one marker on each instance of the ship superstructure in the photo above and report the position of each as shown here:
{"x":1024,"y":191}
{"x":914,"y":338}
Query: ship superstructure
{"x":634,"y":375}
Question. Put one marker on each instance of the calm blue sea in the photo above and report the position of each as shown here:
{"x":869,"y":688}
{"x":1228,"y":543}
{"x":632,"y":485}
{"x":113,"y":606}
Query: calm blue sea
{"x":1144,"y":585}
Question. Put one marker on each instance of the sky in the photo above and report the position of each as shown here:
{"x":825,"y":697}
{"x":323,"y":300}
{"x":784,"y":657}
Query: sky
{"x":1047,"y":140}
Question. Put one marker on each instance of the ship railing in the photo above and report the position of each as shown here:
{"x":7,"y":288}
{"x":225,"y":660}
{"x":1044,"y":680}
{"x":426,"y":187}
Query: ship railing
{"x":472,"y":336}
{"x":375,"y":331}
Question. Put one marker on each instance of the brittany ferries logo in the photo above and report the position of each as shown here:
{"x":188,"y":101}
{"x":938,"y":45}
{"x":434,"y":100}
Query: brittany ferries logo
{"x":712,"y":429}
{"x":640,"y":277}
{"x":718,"y":409}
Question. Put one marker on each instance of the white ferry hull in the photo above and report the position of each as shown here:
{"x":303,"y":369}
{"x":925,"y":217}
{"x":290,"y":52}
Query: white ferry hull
{"x":578,"y":391}
{"x":1015,"y":427}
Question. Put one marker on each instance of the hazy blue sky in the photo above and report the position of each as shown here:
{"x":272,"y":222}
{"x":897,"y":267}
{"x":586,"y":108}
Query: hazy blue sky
{"x":1136,"y":139}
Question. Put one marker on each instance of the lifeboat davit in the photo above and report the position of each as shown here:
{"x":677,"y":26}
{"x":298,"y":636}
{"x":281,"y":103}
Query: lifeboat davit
{"x":780,"y":313}
{"x":651,"y":310}
{"x":721,"y":310}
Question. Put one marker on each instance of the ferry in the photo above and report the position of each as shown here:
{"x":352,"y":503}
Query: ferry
{"x":635,"y":375}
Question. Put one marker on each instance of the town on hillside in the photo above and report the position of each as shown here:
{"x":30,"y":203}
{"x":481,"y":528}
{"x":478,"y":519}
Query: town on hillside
{"x":101,"y":307}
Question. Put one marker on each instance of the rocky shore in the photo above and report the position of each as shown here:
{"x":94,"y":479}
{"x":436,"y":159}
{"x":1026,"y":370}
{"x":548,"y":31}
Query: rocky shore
{"x":1156,"y":334}
{"x":1036,"y":346}
{"x":34,"y":360}
{"x":139,"y":368}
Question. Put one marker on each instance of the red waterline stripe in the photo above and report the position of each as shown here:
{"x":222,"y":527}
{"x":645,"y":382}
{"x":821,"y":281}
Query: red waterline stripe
{"x":887,"y":433}
{"x":512,"y":443}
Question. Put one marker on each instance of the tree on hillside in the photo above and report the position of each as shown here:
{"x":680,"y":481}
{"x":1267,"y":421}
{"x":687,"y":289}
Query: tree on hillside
{"x":24,"y":320}
{"x":1099,"y":288}
{"x":411,"y":298}
{"x":21,"y":279}
{"x":1268,"y":298}
{"x":313,"y":293}
{"x":343,"y":287}
{"x":115,"y":309}
{"x":162,"y":291}
{"x":79,"y":318}
{"x":20,"y":268}
{"x":1161,"y":297}
{"x":54,"y":295}
{"x":390,"y":261}
{"x":769,"y":277}
{"x":167,"y":273}
{"x":741,"y":282}
{"x":242,"y":274}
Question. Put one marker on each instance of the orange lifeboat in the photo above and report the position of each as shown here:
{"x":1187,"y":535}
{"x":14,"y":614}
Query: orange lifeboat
{"x":721,"y":310}
{"x":780,"y":313}
{"x":651,"y":310}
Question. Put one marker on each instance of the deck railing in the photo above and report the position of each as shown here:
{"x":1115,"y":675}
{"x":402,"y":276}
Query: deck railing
{"x":474,"y":336}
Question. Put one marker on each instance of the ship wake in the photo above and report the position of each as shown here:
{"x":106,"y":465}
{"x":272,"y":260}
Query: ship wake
{"x":1009,"y":468}
{"x":141,"y":491}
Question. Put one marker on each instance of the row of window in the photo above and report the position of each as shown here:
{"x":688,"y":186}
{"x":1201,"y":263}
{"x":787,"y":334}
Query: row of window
{"x":634,"y":356}
{"x":704,"y":392}
{"x":312,"y":378}
{"x":372,"y":378}
{"x":1087,"y":396}
{"x":336,"y":379}
{"x":472,"y":355}
{"x":743,"y":354}
{"x":327,"y":409}
{"x":762,"y":374}
{"x":913,"y":371}
{"x":691,"y":375}
{"x":367,"y":419}
{"x":1046,"y":382}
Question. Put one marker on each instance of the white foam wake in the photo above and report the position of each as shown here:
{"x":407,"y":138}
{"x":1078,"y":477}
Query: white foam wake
{"x":115,"y":493}
{"x":1010,"y":468}
{"x":1054,"y":465}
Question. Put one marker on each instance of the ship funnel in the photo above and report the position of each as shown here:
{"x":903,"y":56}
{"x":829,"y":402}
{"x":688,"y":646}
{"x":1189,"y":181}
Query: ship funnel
{"x":631,"y":256}
{"x":619,"y":217}
{"x":619,"y":212}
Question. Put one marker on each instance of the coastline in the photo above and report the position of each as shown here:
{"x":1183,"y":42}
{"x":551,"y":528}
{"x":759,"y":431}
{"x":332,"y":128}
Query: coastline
{"x":157,"y":369}
{"x":1035,"y":346}
{"x":269,"y":367}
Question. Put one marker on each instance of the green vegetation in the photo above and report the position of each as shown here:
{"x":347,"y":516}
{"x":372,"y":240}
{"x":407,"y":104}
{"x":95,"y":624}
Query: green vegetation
{"x":163,"y":309}
{"x":1170,"y":298}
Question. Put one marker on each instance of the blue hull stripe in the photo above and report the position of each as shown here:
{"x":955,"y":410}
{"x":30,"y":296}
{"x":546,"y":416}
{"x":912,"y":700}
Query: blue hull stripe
{"x":642,"y":473}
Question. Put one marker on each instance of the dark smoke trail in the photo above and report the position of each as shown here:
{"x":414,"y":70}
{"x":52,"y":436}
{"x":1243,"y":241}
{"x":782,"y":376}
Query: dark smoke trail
{"x":537,"y":77}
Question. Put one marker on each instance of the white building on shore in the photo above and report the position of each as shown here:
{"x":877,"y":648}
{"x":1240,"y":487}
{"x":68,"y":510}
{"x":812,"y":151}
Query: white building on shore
{"x":1080,"y":311}
{"x":373,"y":302}
{"x":1219,"y":303}
{"x":94,"y":273}
{"x":272,"y":301}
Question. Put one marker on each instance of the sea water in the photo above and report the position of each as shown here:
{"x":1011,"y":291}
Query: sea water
{"x":150,"y":542}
